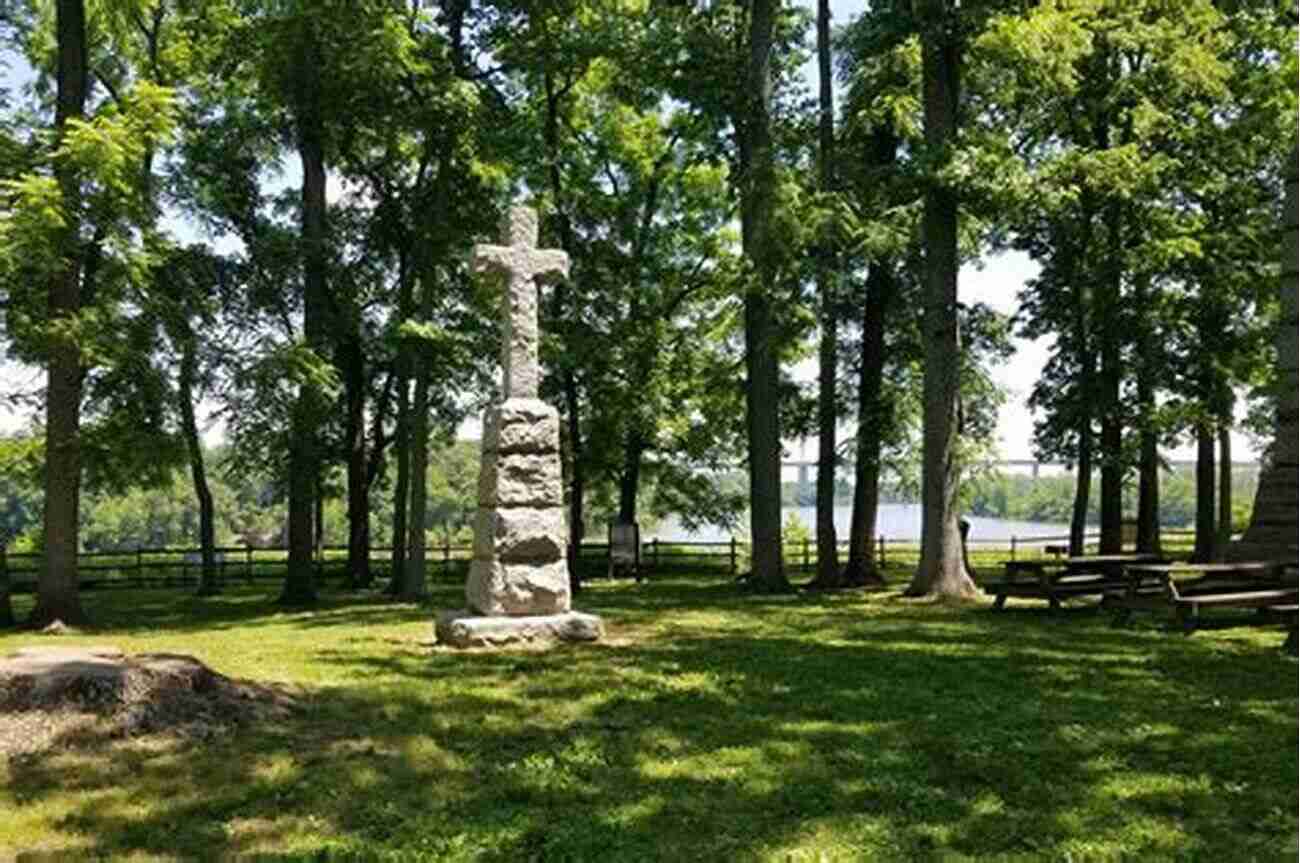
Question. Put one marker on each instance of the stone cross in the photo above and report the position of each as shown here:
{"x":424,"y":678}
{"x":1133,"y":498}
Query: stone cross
{"x":522,"y":263}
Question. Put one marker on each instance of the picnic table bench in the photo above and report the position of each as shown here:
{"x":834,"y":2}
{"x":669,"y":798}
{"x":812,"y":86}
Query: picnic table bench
{"x":1056,"y":580}
{"x":1247,"y":584}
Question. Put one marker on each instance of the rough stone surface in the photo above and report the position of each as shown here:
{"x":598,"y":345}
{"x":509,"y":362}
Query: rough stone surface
{"x":519,"y":534}
{"x":522,"y":265}
{"x":521,"y":425}
{"x":464,"y":629}
{"x":494,"y":587}
{"x":519,"y":479}
{"x":518,"y":584}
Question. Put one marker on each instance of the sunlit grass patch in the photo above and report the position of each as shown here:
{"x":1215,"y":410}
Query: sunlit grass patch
{"x":710,"y":725}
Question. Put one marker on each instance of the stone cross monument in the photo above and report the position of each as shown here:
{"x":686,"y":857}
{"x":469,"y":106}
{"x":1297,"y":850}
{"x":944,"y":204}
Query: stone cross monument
{"x":518,"y":585}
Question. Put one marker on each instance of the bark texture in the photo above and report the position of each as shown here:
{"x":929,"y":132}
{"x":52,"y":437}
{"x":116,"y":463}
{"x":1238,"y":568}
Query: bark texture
{"x":828,"y":568}
{"x":304,"y":454}
{"x":941,"y":571}
{"x":762,"y":415}
{"x":56,"y":589}
{"x":873,"y":419}
{"x":209,"y":580}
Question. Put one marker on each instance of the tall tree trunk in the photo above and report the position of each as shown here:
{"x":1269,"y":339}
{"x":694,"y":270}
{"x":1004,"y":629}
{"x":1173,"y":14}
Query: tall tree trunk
{"x":630,"y":481}
{"x":354,"y":385}
{"x":304,"y":454}
{"x":873,"y":420}
{"x":1148,"y":526}
{"x":560,"y":301}
{"x":762,"y":364}
{"x":1148,"y":514}
{"x":414,"y":580}
{"x":402,"y":436}
{"x":1082,"y":487}
{"x":1079,"y":281}
{"x":941,"y":571}
{"x":1111,"y":377}
{"x":577,"y":477}
{"x":209,"y":583}
{"x":56,"y":590}
{"x":828,"y":568}
{"x":1206,"y":526}
{"x":1224,"y":534}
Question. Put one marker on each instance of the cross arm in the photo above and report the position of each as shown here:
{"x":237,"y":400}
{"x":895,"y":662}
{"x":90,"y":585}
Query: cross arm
{"x":487,"y":258}
{"x":548,"y":262}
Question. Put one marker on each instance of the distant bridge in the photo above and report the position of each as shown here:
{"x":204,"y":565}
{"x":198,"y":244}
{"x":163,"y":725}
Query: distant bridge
{"x":808,"y":469}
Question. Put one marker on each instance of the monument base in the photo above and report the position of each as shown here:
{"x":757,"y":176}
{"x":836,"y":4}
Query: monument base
{"x":464,"y":628}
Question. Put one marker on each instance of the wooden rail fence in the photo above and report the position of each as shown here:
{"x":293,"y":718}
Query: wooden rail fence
{"x":179,"y":567}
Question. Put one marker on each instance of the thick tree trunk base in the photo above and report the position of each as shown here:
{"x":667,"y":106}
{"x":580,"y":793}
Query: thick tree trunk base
{"x":956,"y":593}
{"x":751,"y":583}
{"x":854,"y":576}
{"x":296,"y":594}
{"x":69,"y":613}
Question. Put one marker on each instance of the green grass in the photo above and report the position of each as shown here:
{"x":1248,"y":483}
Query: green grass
{"x":709,"y":726}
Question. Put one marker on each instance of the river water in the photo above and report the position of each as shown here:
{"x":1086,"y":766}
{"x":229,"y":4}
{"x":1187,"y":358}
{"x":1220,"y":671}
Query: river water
{"x":899,"y":521}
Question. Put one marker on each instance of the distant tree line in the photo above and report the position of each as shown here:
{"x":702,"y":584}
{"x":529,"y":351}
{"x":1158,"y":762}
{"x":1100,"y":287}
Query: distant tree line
{"x":265,"y":209}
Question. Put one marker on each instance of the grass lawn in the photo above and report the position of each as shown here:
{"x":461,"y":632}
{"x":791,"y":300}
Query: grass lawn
{"x":709,"y":726}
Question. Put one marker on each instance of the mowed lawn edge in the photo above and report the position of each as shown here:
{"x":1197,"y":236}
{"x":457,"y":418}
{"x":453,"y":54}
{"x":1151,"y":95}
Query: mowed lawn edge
{"x":709,"y":725}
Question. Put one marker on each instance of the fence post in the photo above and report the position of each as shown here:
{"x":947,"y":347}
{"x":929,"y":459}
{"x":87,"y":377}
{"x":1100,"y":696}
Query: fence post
{"x":248,"y":563}
{"x":1013,"y":546}
{"x":654,"y":552}
{"x":880,"y":547}
{"x":805,"y":554}
{"x":139,"y":565}
{"x":6,"y":609}
{"x":446,"y":552}
{"x":733,"y":555}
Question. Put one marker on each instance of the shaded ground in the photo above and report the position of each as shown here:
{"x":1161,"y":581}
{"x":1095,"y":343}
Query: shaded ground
{"x":709,"y":726}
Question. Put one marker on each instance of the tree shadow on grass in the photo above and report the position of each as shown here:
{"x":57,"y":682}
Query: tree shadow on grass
{"x":910,"y":733}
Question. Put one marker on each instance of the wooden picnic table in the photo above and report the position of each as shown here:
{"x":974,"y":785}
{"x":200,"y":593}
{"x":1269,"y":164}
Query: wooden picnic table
{"x":1055,"y":580}
{"x":1243,"y":584}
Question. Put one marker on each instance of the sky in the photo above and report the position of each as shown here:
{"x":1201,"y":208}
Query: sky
{"x":994,"y":281}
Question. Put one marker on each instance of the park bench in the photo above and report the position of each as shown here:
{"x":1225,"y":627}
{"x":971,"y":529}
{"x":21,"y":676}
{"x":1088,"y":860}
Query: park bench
{"x":1057,"y":580}
{"x":1239,"y":585}
{"x":1291,"y":614}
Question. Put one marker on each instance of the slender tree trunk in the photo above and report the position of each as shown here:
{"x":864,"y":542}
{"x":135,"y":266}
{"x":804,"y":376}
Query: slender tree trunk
{"x":1112,"y":423}
{"x":1082,"y":489}
{"x":630,"y":482}
{"x":56,"y":590}
{"x":942,"y":571}
{"x":828,"y":568}
{"x":1206,"y":516}
{"x":7,"y":618}
{"x":1079,"y":281}
{"x":304,"y":454}
{"x":354,"y":384}
{"x":1224,"y":537}
{"x":873,"y":420}
{"x":762,"y":364}
{"x":209,"y":583}
{"x":577,"y":477}
{"x":414,"y":580}
{"x":560,"y":300}
{"x":1148,"y":532}
{"x":1148,"y":515}
{"x":402,"y":436}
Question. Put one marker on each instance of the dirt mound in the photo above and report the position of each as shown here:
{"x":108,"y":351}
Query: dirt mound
{"x":50,"y":694}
